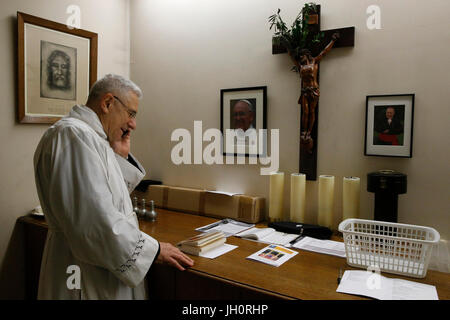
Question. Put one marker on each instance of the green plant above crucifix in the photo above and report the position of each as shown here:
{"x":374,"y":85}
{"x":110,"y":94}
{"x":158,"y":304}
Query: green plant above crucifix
{"x":300,"y":36}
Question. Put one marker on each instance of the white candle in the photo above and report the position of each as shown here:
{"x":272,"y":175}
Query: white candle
{"x":350,"y":197}
{"x":326,"y":200}
{"x":276,"y":196}
{"x":298,"y":181}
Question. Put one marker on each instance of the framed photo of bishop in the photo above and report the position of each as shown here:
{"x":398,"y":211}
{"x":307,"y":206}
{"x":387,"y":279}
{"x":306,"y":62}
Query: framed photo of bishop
{"x":389,"y":125}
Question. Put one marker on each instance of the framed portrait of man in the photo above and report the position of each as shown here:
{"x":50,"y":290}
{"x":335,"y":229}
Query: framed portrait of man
{"x":57,"y":65}
{"x":389,"y":125}
{"x":243,"y":114}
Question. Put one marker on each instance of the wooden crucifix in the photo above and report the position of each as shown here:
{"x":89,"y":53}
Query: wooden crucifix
{"x":306,"y":63}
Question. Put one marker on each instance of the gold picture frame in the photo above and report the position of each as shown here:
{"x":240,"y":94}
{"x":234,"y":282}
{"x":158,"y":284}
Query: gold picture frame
{"x":57,"y":66}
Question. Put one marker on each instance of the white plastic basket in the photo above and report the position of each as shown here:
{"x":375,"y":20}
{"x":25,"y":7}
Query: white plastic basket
{"x":392,"y":247}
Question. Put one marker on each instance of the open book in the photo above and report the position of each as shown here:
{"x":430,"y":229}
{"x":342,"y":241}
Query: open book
{"x":202,"y":243}
{"x":267,"y":235}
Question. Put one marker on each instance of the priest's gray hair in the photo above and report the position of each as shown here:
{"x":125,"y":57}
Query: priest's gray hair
{"x":113,"y":83}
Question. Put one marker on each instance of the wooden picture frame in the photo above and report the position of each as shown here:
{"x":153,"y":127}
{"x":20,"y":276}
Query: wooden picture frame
{"x":57,"y":66}
{"x":389,"y":125}
{"x":243,"y":112}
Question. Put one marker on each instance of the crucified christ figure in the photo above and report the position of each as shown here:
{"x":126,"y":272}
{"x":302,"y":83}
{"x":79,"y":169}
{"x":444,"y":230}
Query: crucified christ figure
{"x":308,"y":67}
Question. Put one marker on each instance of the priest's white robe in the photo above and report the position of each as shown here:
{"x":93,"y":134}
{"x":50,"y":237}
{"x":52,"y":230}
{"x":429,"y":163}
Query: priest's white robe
{"x":83,"y":188}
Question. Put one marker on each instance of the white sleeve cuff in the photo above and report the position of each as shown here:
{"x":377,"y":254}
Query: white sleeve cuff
{"x":133,"y":271}
{"x":131,"y":174}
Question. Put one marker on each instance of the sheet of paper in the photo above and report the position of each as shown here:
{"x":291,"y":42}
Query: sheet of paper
{"x":216,"y":252}
{"x":273,"y":254}
{"x":330,"y":247}
{"x":410,"y":290}
{"x":376,"y":286}
{"x":363,"y":283}
{"x":230,"y":194}
{"x":228,"y":226}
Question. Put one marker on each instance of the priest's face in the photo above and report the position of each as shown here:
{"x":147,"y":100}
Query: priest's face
{"x":122,"y":116}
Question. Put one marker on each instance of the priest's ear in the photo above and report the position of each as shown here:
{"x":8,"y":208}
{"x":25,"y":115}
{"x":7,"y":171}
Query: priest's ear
{"x":106,"y":102}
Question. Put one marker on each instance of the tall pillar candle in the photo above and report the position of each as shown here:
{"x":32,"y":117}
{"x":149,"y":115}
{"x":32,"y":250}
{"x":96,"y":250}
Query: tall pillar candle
{"x":350,"y":197}
{"x":326,"y":200}
{"x":298,"y":186}
{"x":276,"y":196}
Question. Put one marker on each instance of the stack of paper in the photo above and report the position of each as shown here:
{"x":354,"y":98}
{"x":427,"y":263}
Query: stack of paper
{"x":376,"y":286}
{"x":202,"y":243}
{"x":228,"y":226}
{"x":273,"y":255}
{"x":331,"y":247}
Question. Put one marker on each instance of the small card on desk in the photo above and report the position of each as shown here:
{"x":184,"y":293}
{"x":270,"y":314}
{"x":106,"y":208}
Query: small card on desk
{"x":273,"y":254}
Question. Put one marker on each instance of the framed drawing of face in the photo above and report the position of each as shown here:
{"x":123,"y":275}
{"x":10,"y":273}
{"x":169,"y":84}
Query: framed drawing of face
{"x":389,"y":125}
{"x":243,"y":114}
{"x":57,"y":65}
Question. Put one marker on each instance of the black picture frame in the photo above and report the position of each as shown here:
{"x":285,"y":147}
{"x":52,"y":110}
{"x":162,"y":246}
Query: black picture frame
{"x":234,"y":115}
{"x":389,"y":125}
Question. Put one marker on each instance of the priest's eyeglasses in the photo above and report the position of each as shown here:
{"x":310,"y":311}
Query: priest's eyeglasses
{"x":131,"y":113}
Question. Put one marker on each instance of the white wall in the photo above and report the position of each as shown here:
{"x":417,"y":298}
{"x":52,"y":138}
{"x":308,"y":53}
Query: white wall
{"x":108,"y":18}
{"x":184,"y":51}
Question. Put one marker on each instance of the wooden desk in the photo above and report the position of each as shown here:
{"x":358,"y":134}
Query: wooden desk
{"x":308,"y":275}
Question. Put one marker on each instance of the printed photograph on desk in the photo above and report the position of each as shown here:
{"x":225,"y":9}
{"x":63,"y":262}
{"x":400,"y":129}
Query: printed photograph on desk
{"x":273,"y":255}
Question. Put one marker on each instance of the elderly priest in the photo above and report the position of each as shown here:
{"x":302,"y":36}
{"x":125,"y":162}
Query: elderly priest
{"x":84,"y":174}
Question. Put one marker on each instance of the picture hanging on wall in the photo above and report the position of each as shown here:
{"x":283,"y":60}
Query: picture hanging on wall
{"x":389,"y":125}
{"x":243,"y":114}
{"x":57,"y":65}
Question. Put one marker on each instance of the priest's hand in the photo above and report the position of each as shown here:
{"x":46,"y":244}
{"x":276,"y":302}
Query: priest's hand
{"x":122,"y":145}
{"x":173,"y":256}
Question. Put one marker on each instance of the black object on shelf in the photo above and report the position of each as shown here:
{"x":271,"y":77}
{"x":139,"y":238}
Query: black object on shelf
{"x":387,"y":185}
{"x":143,"y":185}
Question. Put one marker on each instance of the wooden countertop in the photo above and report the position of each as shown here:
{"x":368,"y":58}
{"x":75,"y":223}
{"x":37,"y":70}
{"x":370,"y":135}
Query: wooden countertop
{"x":308,"y":275}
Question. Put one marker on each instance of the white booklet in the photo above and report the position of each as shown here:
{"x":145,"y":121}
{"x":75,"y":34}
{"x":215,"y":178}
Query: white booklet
{"x":331,"y":247}
{"x":366,"y":283}
{"x":267,"y":235}
{"x":228,"y":226}
{"x":273,"y":255}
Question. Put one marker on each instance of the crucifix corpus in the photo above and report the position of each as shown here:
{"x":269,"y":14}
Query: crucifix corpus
{"x":306,"y":45}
